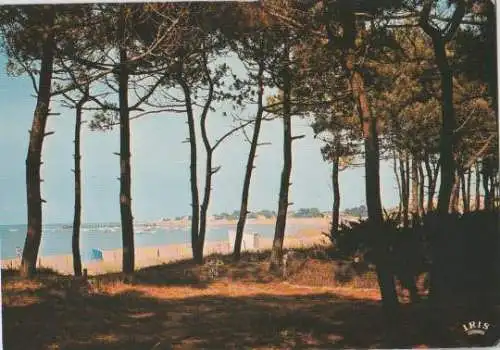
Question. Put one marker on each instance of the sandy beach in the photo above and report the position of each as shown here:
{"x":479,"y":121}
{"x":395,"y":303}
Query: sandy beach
{"x":150,"y":256}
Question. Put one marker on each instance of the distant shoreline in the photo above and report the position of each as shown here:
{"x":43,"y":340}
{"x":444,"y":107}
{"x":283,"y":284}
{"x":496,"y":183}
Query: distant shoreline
{"x":156,"y":255}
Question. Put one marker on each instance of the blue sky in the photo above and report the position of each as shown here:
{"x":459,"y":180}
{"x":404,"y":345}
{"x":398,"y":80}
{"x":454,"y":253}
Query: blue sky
{"x":160,"y":178}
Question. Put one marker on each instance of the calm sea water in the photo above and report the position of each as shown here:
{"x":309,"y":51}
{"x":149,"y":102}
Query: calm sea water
{"x":56,"y":239}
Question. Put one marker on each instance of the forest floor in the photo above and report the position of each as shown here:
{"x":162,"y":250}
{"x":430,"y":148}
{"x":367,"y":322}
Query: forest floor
{"x":179,"y":305}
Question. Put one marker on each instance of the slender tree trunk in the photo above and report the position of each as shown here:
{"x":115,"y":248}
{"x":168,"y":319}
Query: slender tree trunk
{"x":463,"y":185}
{"x":430,"y":188}
{"x":421,"y":189}
{"x":209,"y":172}
{"x":125,"y":171}
{"x":336,"y":198}
{"x":195,"y":201}
{"x":398,"y":183}
{"x":75,"y":243}
{"x":403,"y":163}
{"x":467,"y":195}
{"x":240,"y":227}
{"x":486,"y":184}
{"x":279,"y":233}
{"x":373,"y":200}
{"x":414,"y":189}
{"x":34,"y":155}
{"x":351,"y":42}
{"x":455,"y":194}
{"x":477,"y":198}
{"x":446,"y":143}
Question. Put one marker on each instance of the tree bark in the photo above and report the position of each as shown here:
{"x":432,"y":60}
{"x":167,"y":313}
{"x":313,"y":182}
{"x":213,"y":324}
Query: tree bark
{"x":477,"y":197}
{"x":125,"y":171}
{"x":463,"y":186}
{"x":240,"y":227}
{"x":421,"y":189}
{"x":405,"y":181}
{"x":279,"y":233}
{"x":486,"y":184}
{"x":415,"y":186}
{"x":75,"y":243}
{"x":468,"y":196}
{"x":336,"y":198}
{"x":398,"y":183}
{"x":447,"y":139}
{"x":208,"y":171}
{"x":34,"y":155}
{"x":446,"y":144}
{"x":374,"y":205}
{"x":455,"y":194}
{"x":369,"y":126}
{"x":195,"y":205}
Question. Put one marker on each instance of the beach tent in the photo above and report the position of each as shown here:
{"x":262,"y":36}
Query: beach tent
{"x":94,"y":255}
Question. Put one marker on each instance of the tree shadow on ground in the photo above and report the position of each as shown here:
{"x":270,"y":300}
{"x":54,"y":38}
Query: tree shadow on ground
{"x":46,"y":315}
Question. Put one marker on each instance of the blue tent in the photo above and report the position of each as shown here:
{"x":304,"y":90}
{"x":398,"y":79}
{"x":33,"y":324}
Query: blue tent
{"x":94,"y":255}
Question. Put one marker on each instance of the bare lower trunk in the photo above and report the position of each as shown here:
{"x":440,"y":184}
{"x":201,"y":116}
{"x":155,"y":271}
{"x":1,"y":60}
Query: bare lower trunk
{"x":486,"y":189}
{"x":432,"y":176}
{"x":468,"y":195}
{"x":463,"y":187}
{"x":455,"y":195}
{"x":405,"y":182}
{"x":414,"y":189}
{"x":34,"y":156}
{"x":75,"y":243}
{"x":240,"y":227}
{"x":208,"y":174}
{"x":125,"y":172}
{"x":477,"y":198}
{"x":446,"y":144}
{"x":398,"y":183}
{"x":336,"y":198}
{"x":279,"y":233}
{"x":421,"y":189}
{"x":195,"y":202}
{"x":373,"y":200}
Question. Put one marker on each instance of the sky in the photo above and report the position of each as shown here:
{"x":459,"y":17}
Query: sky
{"x":160,"y":165}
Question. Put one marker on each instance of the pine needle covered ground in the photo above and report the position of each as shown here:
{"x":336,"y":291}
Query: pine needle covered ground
{"x":181,"y":305}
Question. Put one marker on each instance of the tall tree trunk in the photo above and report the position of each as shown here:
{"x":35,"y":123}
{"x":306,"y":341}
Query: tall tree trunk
{"x":403,"y":167}
{"x":75,"y":243}
{"x":421,"y":189}
{"x":125,"y":172}
{"x":279,"y":233}
{"x":351,"y":41}
{"x":195,"y":201}
{"x":209,"y":172}
{"x":240,"y":227}
{"x":34,"y":155}
{"x":486,"y":183}
{"x":432,"y":175}
{"x":446,"y":144}
{"x":414,"y":189}
{"x":455,"y":194}
{"x":477,"y":196}
{"x":336,"y":198}
{"x":373,"y":201}
{"x":463,"y":185}
{"x":468,"y":196}
{"x":398,"y":183}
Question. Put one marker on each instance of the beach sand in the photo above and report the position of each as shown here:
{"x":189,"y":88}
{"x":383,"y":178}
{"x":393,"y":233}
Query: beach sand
{"x":157,"y":255}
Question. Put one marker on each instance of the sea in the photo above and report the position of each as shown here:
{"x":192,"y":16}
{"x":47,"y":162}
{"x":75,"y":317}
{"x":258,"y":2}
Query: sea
{"x":56,"y":238}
